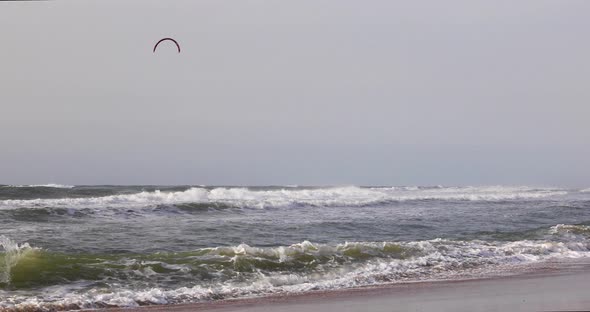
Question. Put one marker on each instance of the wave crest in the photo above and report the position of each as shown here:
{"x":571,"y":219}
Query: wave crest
{"x":289,"y":197}
{"x":50,"y":185}
{"x":12,"y":254}
{"x":243,"y":270}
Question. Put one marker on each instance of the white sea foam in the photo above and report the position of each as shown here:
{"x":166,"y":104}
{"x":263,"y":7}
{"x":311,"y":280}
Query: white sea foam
{"x":50,"y":185}
{"x":430,"y":260}
{"x":11,"y":254}
{"x":288,"y":197}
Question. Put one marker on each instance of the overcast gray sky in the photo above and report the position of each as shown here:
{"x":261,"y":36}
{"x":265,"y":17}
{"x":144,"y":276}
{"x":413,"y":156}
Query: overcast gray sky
{"x":295,"y":92}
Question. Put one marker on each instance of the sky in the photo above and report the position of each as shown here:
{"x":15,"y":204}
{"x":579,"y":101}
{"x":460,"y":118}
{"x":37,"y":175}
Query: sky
{"x":307,"y":92}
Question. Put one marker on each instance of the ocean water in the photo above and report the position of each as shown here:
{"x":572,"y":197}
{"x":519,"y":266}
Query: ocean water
{"x":70,"y":247}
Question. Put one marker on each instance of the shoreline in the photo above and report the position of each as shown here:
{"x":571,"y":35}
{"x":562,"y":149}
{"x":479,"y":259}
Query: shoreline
{"x":554,"y":285}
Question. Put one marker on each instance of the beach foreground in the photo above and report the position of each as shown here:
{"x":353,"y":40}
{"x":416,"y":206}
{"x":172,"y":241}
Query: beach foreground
{"x":556,"y":287}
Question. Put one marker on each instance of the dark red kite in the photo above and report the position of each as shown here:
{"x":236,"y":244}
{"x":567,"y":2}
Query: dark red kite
{"x":177,"y":45}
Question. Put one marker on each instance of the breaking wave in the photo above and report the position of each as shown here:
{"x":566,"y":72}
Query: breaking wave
{"x":12,"y":254}
{"x":50,"y":185}
{"x":289,"y":197}
{"x":245,"y":271}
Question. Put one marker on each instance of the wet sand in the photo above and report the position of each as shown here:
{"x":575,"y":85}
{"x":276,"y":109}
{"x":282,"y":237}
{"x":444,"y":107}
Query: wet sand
{"x":559,"y":287}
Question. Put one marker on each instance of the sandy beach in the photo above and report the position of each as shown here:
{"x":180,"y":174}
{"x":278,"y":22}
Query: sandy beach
{"x":563,"y":286}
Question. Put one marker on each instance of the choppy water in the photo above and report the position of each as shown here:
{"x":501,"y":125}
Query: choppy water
{"x":67,"y":247}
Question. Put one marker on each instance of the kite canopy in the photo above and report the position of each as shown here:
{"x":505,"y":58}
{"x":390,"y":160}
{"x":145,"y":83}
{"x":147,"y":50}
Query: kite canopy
{"x":164,"y":39}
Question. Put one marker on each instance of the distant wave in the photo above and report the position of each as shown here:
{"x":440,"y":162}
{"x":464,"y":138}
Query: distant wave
{"x":50,"y":185}
{"x":585,"y":190}
{"x":290,"y":197}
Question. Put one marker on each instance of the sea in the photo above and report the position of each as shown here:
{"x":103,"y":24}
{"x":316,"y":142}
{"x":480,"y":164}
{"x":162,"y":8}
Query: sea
{"x":65,"y":247}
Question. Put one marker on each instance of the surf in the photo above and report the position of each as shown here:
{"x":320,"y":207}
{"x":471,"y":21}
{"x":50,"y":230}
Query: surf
{"x":288,"y":197}
{"x":128,"y":279}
